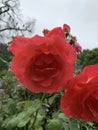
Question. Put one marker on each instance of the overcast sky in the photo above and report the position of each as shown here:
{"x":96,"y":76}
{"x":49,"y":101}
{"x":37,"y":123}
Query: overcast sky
{"x":81,"y":15}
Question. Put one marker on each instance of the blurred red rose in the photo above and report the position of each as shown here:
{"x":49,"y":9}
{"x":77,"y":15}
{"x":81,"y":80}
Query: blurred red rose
{"x":45,"y":31}
{"x":77,"y":47}
{"x":80,"y":100}
{"x":66,"y":28}
{"x":43,"y":64}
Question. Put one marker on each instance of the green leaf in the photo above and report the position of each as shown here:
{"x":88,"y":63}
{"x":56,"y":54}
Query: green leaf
{"x":23,"y":122}
{"x":4,"y":61}
{"x":39,"y":128}
{"x":51,"y":100}
{"x":62,"y":120}
{"x":73,"y":124}
{"x":5,"y":122}
{"x":62,"y":117}
{"x":38,"y":122}
{"x":54,"y":124}
{"x":12,"y":123}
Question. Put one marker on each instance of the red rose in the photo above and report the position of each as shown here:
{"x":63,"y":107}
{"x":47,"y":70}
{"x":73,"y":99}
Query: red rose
{"x":80,"y":100}
{"x":66,"y":28}
{"x":43,"y":64}
{"x":45,"y":31}
{"x":77,"y":47}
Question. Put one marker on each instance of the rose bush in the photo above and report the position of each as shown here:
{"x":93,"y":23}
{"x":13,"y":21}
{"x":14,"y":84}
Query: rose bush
{"x":80,"y":100}
{"x":46,"y":64}
{"x":43,"y":63}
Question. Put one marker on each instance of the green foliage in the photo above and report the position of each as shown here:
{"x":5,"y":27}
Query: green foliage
{"x":20,"y":119}
{"x":88,"y":57}
{"x":5,"y":56}
{"x":73,"y":124}
{"x":54,"y":124}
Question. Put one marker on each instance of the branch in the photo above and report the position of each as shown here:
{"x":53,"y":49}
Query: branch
{"x":12,"y":28}
{"x":6,"y":10}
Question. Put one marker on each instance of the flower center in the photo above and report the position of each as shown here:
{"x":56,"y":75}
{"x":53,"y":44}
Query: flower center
{"x":44,"y":67}
{"x":45,"y":61}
